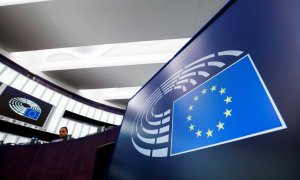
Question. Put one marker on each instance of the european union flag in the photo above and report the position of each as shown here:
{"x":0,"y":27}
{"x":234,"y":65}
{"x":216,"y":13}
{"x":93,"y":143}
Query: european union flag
{"x":234,"y":104}
{"x":32,"y":114}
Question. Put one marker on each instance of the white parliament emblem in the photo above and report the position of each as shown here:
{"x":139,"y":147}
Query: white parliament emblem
{"x":25,"y":108}
{"x":220,"y":109}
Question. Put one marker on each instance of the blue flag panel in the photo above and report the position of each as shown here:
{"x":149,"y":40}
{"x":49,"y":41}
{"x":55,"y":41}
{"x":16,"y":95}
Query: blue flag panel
{"x":32,"y":114}
{"x":233,"y":105}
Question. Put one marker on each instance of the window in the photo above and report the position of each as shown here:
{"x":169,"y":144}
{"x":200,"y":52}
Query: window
{"x":2,"y":67}
{"x":70,"y":126}
{"x":70,"y":105}
{"x":19,"y":82}
{"x":10,"y":138}
{"x":8,"y":76}
{"x":23,"y":140}
{"x":77,"y":130}
{"x":97,"y":114}
{"x":2,"y":136}
{"x":104,"y":116}
{"x":39,"y":90}
{"x":29,"y":87}
{"x":77,"y":107}
{"x":111,"y":118}
{"x":91,"y":112}
{"x":62,"y":123}
{"x":93,"y":130}
{"x":84,"y":110}
{"x":118,"y":120}
{"x":55,"y":99}
{"x":47,"y":95}
{"x":85,"y":130}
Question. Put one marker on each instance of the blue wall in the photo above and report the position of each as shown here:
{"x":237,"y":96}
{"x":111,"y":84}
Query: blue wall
{"x":268,"y":31}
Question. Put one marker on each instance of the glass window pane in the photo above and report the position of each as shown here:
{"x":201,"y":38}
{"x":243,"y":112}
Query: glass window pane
{"x":77,"y":130}
{"x":91,"y":112}
{"x":104,"y":116}
{"x":47,"y":95}
{"x":55,"y":99}
{"x":2,"y":136}
{"x":2,"y":67}
{"x":77,"y":107}
{"x":111,"y":118}
{"x":70,"y":105}
{"x":93,"y":129}
{"x":29,"y":87}
{"x":85,"y":130}
{"x":8,"y":76}
{"x":70,"y":126}
{"x":64,"y":101}
{"x":19,"y":82}
{"x":62,"y":123}
{"x":97,"y":114}
{"x":56,"y":114}
{"x":39,"y":90}
{"x":23,"y":140}
{"x":84,"y":110}
{"x":10,"y":138}
{"x":118,"y":120}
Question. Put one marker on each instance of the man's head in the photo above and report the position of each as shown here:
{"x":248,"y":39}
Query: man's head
{"x":63,"y":132}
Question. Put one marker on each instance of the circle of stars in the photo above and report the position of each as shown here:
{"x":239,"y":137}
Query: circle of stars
{"x":220,"y":126}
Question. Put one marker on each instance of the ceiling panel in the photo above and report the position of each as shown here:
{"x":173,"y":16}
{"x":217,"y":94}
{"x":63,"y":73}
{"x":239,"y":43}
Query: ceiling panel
{"x":63,"y":23}
{"x":106,"y":77}
{"x":121,"y":102}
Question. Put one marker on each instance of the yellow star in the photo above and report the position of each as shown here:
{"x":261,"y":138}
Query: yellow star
{"x":190,"y":107}
{"x":222,"y":91}
{"x":196,"y":98}
{"x":227,"y":112}
{"x":213,"y":88}
{"x":228,"y":99}
{"x":198,"y":133}
{"x":189,"y":118}
{"x":209,"y":133}
{"x":203,"y":91}
{"x":220,"y":125}
{"x":192,"y":127}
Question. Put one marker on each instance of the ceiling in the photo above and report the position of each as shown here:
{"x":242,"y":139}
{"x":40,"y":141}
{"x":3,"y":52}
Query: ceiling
{"x":97,"y":44}
{"x":106,"y":77}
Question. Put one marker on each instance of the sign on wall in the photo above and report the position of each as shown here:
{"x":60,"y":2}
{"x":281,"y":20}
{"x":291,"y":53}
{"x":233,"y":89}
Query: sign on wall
{"x":23,"y":107}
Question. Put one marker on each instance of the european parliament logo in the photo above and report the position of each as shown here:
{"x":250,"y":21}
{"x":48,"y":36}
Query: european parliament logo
{"x":216,"y":99}
{"x":25,"y":108}
{"x":233,"y":105}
